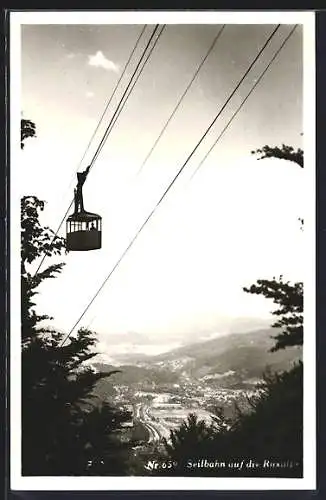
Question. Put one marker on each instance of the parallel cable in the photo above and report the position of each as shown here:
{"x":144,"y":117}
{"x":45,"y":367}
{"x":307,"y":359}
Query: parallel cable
{"x":137,"y":77}
{"x":104,"y":138}
{"x":244,"y":101}
{"x":169,"y":186}
{"x":108,"y":129}
{"x":182,"y":97}
{"x":110,"y":99}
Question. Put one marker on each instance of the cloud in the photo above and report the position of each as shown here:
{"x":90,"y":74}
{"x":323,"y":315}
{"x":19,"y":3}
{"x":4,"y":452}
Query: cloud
{"x":100,"y":61}
{"x":71,"y":55}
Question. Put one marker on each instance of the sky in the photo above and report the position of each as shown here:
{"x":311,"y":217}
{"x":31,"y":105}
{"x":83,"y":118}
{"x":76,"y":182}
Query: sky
{"x":235,"y":221}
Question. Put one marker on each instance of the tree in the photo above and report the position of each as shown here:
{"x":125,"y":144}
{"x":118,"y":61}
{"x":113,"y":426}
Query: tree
{"x":36,"y":241}
{"x":289,"y":299}
{"x":186,"y":440}
{"x":27,"y":129}
{"x":65,"y":429}
{"x":283,"y":153}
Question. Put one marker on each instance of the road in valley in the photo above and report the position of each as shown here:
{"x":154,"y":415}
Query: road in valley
{"x":156,"y":430}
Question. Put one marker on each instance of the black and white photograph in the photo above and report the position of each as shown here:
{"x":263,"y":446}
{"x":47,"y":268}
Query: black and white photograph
{"x":162,"y":260}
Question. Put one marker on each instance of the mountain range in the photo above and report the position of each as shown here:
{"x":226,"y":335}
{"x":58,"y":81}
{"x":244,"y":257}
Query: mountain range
{"x":227,"y":360}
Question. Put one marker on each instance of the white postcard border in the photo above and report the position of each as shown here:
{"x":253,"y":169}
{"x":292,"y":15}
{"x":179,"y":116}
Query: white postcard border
{"x":308,"y":482}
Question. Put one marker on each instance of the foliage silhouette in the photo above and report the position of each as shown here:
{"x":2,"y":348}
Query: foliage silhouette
{"x":65,"y":429}
{"x":190,"y":436}
{"x":283,"y":153}
{"x":27,"y":129}
{"x":289,"y":299}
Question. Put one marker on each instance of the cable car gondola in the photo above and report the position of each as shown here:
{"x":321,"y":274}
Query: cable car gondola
{"x":83,"y":229}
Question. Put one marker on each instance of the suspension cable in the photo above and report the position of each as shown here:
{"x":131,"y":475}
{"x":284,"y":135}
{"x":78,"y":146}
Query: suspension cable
{"x":137,"y":77}
{"x":244,"y":101}
{"x":109,"y":101}
{"x":107,"y":131}
{"x":182,"y":97}
{"x":170,"y":185}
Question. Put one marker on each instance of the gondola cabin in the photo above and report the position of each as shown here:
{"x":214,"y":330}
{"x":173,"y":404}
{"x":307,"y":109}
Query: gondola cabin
{"x":84,"y":232}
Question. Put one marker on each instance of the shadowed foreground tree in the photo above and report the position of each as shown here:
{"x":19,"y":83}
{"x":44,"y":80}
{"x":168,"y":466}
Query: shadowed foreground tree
{"x":190,"y":438}
{"x":65,"y":430}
